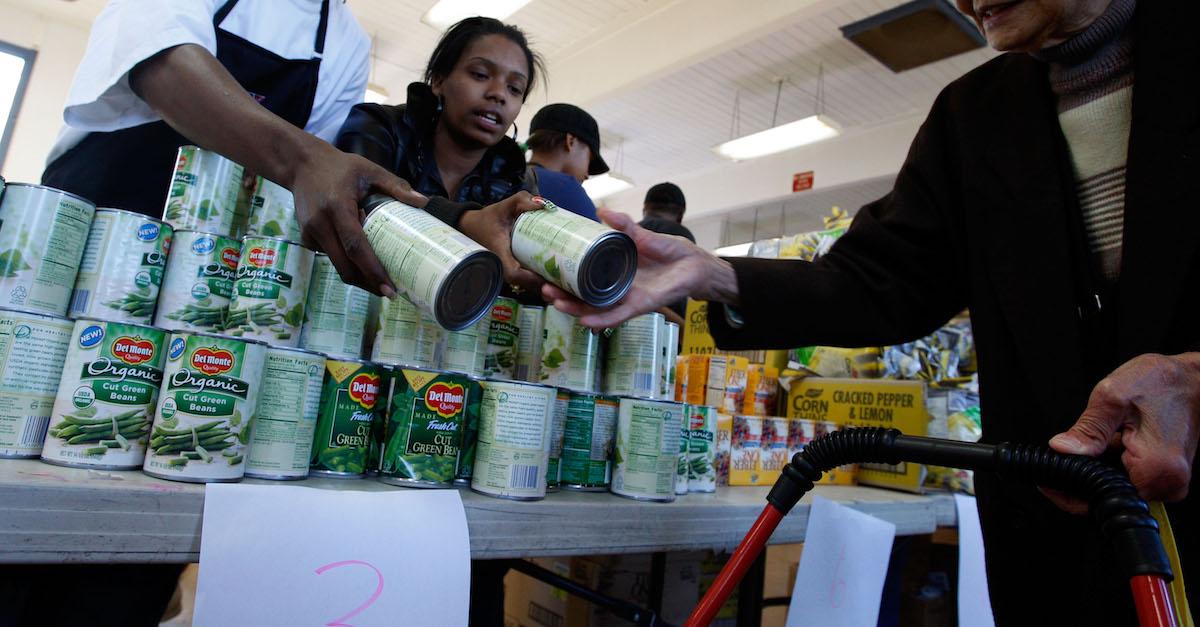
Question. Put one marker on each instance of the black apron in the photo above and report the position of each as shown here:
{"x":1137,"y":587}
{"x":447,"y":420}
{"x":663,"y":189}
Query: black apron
{"x":132,"y":168}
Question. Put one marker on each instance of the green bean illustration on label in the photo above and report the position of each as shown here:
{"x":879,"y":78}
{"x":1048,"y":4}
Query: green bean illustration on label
{"x":269,"y":291}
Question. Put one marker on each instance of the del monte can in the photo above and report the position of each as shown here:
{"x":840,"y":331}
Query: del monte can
{"x":269,"y":291}
{"x":41,"y":243}
{"x":122,"y":267}
{"x":349,"y":395}
{"x":425,"y":428}
{"x":198,"y":282}
{"x":32,"y":350}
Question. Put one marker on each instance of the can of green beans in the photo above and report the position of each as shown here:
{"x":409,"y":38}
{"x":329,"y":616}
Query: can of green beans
{"x":33,"y":348}
{"x":682,"y":460}
{"x":584,"y":257}
{"x":503,"y":333}
{"x":465,"y":351}
{"x":570,"y":353}
{"x":405,"y":336}
{"x":198,"y":282}
{"x":42,"y":241}
{"x":557,"y":421}
{"x":441,"y":271}
{"x":647,"y":449}
{"x":269,"y":291}
{"x":204,"y":193}
{"x":107,"y":396}
{"x":335,"y":314}
{"x":206,"y":408}
{"x":588,"y":437}
{"x":465,"y":465}
{"x":514,"y":440}
{"x":530,"y":320}
{"x":272,"y":211}
{"x":633,"y":363}
{"x":424,"y":428}
{"x":702,"y":451}
{"x":285,"y":419}
{"x":122,"y":267}
{"x":387,"y":374}
{"x":349,"y":396}
{"x":668,"y":350}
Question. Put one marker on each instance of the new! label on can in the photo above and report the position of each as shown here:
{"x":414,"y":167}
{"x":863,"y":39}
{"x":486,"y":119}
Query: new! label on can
{"x":204,"y":193}
{"x":702,"y":451}
{"x":107,"y":396}
{"x":33,"y":348}
{"x":588,"y":438}
{"x":647,"y":446}
{"x":558,"y":421}
{"x":335,"y":314}
{"x":586,"y":258}
{"x":570,"y":353}
{"x":348,"y":399}
{"x":503,"y":335}
{"x":205,"y":408}
{"x":513,"y":441}
{"x":269,"y":291}
{"x":441,"y":271}
{"x":466,"y":351}
{"x":405,"y":336}
{"x":273,"y":212}
{"x":632,"y":366}
{"x":529,"y":343}
{"x":198,"y":282}
{"x":281,"y":437}
{"x":122,"y":267}
{"x":424,"y":428}
{"x":40,"y":246}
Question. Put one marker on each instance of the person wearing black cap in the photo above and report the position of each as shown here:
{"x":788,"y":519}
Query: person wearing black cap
{"x":662,"y":211}
{"x":565,"y":142}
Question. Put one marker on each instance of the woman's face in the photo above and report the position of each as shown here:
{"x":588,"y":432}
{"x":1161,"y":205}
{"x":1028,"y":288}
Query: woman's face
{"x":1031,"y":25}
{"x":483,"y":94}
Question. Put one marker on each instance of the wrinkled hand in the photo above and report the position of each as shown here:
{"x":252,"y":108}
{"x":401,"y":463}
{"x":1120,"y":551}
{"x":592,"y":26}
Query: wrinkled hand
{"x":328,"y":186}
{"x":492,"y":228}
{"x":1148,"y":408}
{"x":670,"y":268}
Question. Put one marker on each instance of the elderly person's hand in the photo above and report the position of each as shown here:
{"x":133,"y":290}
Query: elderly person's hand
{"x":670,"y":268}
{"x":1149,"y":409}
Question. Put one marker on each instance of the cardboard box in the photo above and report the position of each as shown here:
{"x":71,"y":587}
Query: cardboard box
{"x":762,"y":390}
{"x":724,"y":438}
{"x":733,"y":386}
{"x":696,"y":339}
{"x":801,"y":432}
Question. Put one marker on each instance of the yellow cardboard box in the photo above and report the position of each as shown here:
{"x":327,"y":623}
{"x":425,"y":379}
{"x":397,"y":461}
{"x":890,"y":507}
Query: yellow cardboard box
{"x":696,"y":339}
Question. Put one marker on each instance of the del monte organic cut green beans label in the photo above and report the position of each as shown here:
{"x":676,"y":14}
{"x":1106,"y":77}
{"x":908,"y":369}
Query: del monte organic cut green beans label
{"x":570,"y":353}
{"x":198,"y":282}
{"x":204,"y":193}
{"x":425,"y":428}
{"x":205,"y":408}
{"x":269,"y":291}
{"x":273,"y":212}
{"x":122,"y":267}
{"x":348,"y":398}
{"x":41,"y":243}
{"x":32,"y":350}
{"x":702,"y":452}
{"x":107,"y":396}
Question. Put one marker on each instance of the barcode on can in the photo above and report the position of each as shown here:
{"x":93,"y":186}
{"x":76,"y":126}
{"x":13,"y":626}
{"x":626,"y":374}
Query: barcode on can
{"x":524,"y":476}
{"x":645,"y":382}
{"x":79,"y":300}
{"x":35,"y":430}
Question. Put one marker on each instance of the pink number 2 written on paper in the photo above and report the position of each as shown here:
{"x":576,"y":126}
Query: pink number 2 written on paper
{"x":338,"y":622}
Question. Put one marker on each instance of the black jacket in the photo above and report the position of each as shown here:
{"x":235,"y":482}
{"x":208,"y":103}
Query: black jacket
{"x":984,"y":215}
{"x":400,"y":138}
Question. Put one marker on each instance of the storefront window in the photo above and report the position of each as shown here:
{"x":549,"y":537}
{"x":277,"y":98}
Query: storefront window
{"x":15,"y":64}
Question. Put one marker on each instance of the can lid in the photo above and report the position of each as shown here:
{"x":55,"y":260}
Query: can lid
{"x":245,"y":238}
{"x":365,"y":362}
{"x":128,"y":324}
{"x":141,"y":216}
{"x":292,"y":349}
{"x":467,"y":293}
{"x":52,"y":189}
{"x":607,"y":269}
{"x":221,"y":336}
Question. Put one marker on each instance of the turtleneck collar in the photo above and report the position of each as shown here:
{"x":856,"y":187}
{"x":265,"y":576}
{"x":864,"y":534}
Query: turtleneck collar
{"x":1085,"y":45}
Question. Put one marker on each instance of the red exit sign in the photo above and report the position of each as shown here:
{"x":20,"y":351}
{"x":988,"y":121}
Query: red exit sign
{"x":802,"y":181}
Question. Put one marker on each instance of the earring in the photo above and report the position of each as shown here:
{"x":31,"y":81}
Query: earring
{"x":439,"y":105}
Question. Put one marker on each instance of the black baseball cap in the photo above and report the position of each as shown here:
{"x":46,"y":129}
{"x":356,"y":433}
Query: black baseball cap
{"x":568,"y":118}
{"x":666,"y":194}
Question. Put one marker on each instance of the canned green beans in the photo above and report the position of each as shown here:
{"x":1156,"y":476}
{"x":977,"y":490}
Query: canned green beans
{"x":405,"y":336}
{"x":269,"y":291}
{"x":647,"y":447}
{"x":107,"y":396}
{"x":570,"y":353}
{"x":335,"y":314}
{"x":40,"y":246}
{"x":273,"y":212}
{"x":198,"y":282}
{"x":466,"y":351}
{"x":702,"y":452}
{"x":513,"y":441}
{"x":33,"y":348}
{"x":586,"y":258}
{"x":205,"y":408}
{"x":503,"y":334}
{"x":529,"y":343}
{"x":281,"y":437}
{"x":443,"y":272}
{"x":466,"y":454}
{"x":204,"y":193}
{"x":633,"y":364}
{"x":588,"y":438}
{"x":348,"y":398}
{"x":558,"y":421}
{"x":122,"y":267}
{"x":669,"y":348}
{"x":425,"y":428}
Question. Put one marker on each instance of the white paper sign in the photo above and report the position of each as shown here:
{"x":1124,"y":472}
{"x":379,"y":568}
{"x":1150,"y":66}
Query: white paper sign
{"x":974,"y":604}
{"x":842,"y":568}
{"x":287,"y":555}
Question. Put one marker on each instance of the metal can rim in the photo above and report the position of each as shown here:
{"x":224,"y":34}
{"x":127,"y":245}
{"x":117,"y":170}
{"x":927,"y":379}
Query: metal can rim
{"x":131,"y":324}
{"x":135,"y":214}
{"x":296,"y":349}
{"x":40,"y":314}
{"x":220,"y":336}
{"x":277,"y":239}
{"x":8,"y":185}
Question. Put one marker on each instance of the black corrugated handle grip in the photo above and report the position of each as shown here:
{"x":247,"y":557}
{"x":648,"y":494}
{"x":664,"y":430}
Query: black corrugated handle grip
{"x":1123,"y":516}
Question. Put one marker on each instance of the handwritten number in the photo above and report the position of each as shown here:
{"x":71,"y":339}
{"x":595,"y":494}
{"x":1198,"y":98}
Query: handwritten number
{"x":837,"y":588}
{"x":338,"y":622}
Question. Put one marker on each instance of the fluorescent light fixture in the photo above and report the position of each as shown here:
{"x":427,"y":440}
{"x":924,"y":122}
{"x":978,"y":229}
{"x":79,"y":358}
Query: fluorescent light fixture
{"x":737,"y":250}
{"x":606,"y":184}
{"x":447,"y":13}
{"x":813,"y":128}
{"x":376,"y":94}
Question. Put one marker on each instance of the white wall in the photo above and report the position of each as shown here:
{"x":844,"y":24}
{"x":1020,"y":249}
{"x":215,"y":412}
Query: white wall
{"x":60,"y":45}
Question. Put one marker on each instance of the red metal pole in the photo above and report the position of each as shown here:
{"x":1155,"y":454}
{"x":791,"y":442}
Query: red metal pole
{"x":1153,"y":600}
{"x":736,"y":567}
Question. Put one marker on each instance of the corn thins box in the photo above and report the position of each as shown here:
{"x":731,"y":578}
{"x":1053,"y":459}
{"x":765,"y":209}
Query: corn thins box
{"x":696,"y":339}
{"x":867,"y":403}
